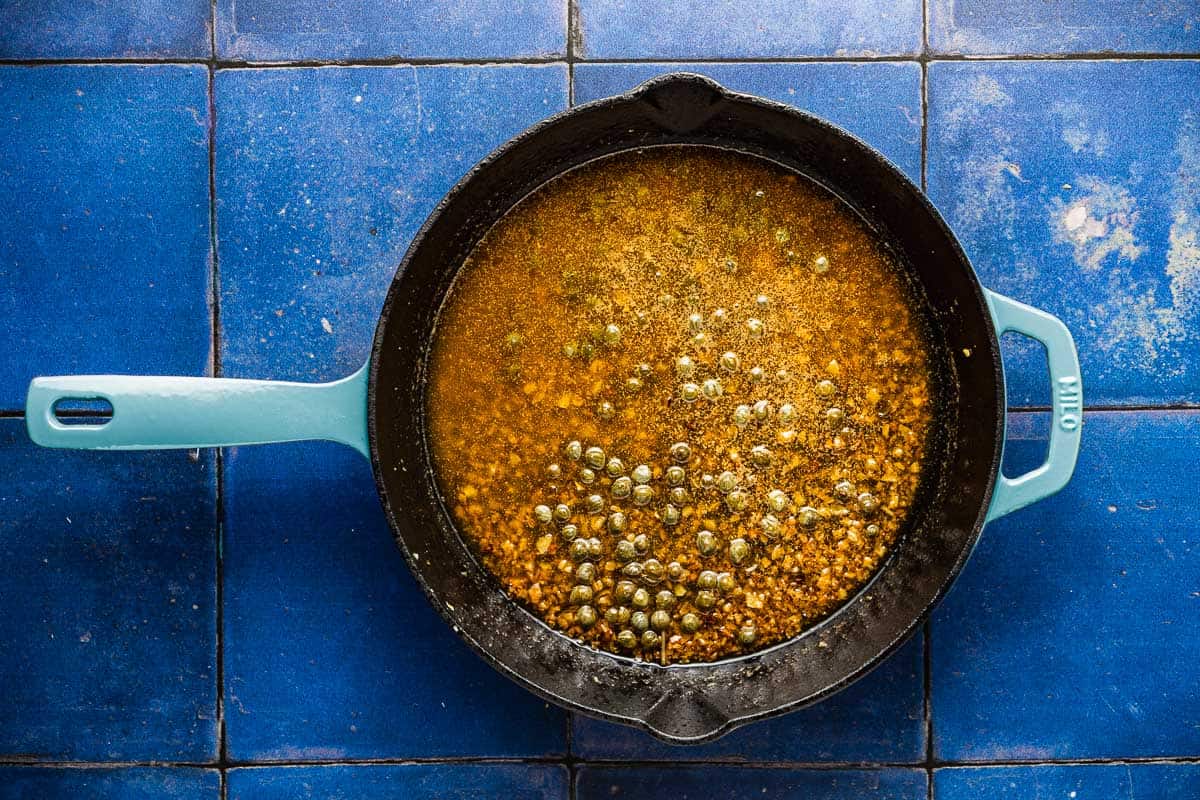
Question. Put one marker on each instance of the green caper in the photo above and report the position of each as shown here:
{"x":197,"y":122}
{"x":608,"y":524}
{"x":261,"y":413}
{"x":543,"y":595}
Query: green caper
{"x":586,"y":351}
{"x":690,"y":623}
{"x":641,"y":474}
{"x":587,"y":476}
{"x":554,"y":472}
{"x":624,"y":591}
{"x":639,"y":620}
{"x":543,"y":514}
{"x":685,"y":367}
{"x":739,"y":550}
{"x":844,"y":488}
{"x":660,"y":620}
{"x":614,"y":467}
{"x":707,"y":580}
{"x":762,"y":410}
{"x":736,"y":500}
{"x":741,"y":415}
{"x":762,"y":301}
{"x":747,"y":635}
{"x":671,"y":515}
{"x":755,"y":328}
{"x":705,"y":599}
{"x":782,"y":235}
{"x":707,"y":480}
{"x":579,"y":550}
{"x":633,"y":385}
{"x":625,"y":551}
{"x":650,"y":639}
{"x":867,"y":502}
{"x":641,"y":543}
{"x":807,"y":516}
{"x":568,"y":532}
{"x":674,"y":570}
{"x":825,"y":388}
{"x":562,"y":512}
{"x":777,"y":500}
{"x":730,"y":361}
{"x":513,"y":341}
{"x":726,"y":583}
{"x":681,"y":452}
{"x":616,"y":522}
{"x":678,"y":496}
{"x":665,"y":599}
{"x":719,"y":317}
{"x":760,"y":455}
{"x":585,"y":572}
{"x":695,"y":323}
{"x":585,"y":616}
{"x":872,"y":530}
{"x":652,"y":570}
{"x":627,"y":639}
{"x":706,"y":542}
{"x":612,"y":334}
{"x":573,"y":450}
{"x":616,"y":616}
{"x":594,"y":457}
{"x":641,"y":598}
{"x":621,"y":488}
{"x":727,"y":482}
{"x":730,"y":266}
{"x":644,"y":371}
{"x":595,"y":504}
{"x":834,"y":415}
{"x":676,"y":475}
{"x":757,"y":374}
{"x":787,"y":413}
{"x":595,"y":548}
{"x":606,"y":410}
{"x":689,"y":392}
{"x":642,"y":495}
{"x":632,"y":570}
{"x":712,"y":389}
{"x":570,"y":349}
{"x":581,"y":595}
{"x":771,"y":526}
{"x":821,"y":265}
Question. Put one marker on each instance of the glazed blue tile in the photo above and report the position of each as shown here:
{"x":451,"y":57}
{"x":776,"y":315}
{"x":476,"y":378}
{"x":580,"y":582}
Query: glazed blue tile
{"x":288,"y":30}
{"x":36,"y":29}
{"x":323,"y":177}
{"x":107,"y":603}
{"x":1075,"y":186}
{"x":331,"y":650}
{"x":879,"y":103}
{"x":1141,"y":781}
{"x":104,"y":243}
{"x":752,"y":29}
{"x":107,"y":783}
{"x":1072,"y":630}
{"x":745,"y":783}
{"x":411,"y":782}
{"x":878,"y":719}
{"x":1001,"y":27}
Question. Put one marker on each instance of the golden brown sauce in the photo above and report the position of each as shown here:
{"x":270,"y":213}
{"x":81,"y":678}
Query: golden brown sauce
{"x":679,"y":296}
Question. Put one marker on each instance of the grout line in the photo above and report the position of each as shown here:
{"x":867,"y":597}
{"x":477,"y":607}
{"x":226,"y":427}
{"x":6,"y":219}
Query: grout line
{"x":572,"y":782}
{"x":929,"y":784}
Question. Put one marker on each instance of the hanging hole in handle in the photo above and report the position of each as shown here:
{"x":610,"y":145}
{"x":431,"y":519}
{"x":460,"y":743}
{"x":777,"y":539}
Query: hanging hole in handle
{"x":93,"y":411}
{"x":1027,"y":433}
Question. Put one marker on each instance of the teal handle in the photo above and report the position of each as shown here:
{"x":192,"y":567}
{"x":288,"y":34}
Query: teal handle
{"x":1066,"y":391}
{"x":155,"y":413}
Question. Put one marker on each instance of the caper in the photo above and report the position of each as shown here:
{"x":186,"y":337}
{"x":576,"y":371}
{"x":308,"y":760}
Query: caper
{"x":719,"y":317}
{"x":747,"y":635}
{"x":595,"y":503}
{"x":650,"y":639}
{"x":595,"y":548}
{"x":727,"y":481}
{"x":579,"y":550}
{"x":624,"y":591}
{"x":706,"y":542}
{"x":585,"y":572}
{"x":844,"y":488}
{"x":807,"y":516}
{"x":762,"y":410}
{"x":570,"y":349}
{"x":586,"y":351}
{"x":644,"y":371}
{"x":621,"y":488}
{"x":543,"y":514}
{"x":739,"y":550}
{"x":730,"y":361}
{"x":679,"y":496}
{"x":760,"y":455}
{"x":587,"y":476}
{"x":594,"y":457}
{"x":641,"y":598}
{"x":712,"y":389}
{"x":665,"y":599}
{"x":872,"y":530}
{"x":573,"y":450}
{"x":632,"y":570}
{"x":585,"y":616}
{"x":562,"y":512}
{"x":639,"y":620}
{"x":689,"y":392}
{"x":681,"y":452}
{"x":568,"y":532}
{"x":757,"y":374}
{"x":777,"y":500}
{"x":730,"y":266}
{"x":554,"y":472}
{"x":821,"y":265}
{"x":707,"y":480}
{"x":641,"y":543}
{"x":741,"y":416}
{"x":736,"y":500}
{"x":705,"y":599}
{"x":612,"y":615}
{"x":581,"y":595}
{"x":825,"y":388}
{"x":676,"y":475}
{"x":695,"y":323}
{"x":660,"y":620}
{"x":671,"y":515}
{"x":633,"y":385}
{"x":700,"y":339}
{"x":762,"y":301}
{"x":867,"y":502}
{"x":755,"y":328}
{"x":834,"y":415}
{"x":771,"y":526}
{"x":707,"y":580}
{"x":690,"y":623}
{"x":617,"y":522}
{"x":726,"y":583}
{"x":612,"y":334}
{"x":512,"y":341}
{"x":652,"y":570}
{"x":787,"y":413}
{"x":625,"y":551}
{"x":627,"y":639}
{"x":615,"y":466}
{"x":641,"y":474}
{"x":642,"y":495}
{"x":606,"y":410}
{"x":674,"y":570}
{"x":685,"y":367}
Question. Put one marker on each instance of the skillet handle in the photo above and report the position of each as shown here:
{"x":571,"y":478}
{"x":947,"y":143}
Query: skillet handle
{"x":1066,"y":390}
{"x":159,"y":412}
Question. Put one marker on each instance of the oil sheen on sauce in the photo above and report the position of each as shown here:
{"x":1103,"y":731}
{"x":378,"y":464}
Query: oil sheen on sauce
{"x":678,"y":403}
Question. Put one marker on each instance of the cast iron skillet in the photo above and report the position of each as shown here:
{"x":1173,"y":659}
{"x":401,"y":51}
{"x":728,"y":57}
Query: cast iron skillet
{"x":380,"y":410}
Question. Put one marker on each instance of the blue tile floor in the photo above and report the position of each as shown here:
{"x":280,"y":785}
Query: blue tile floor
{"x":225,"y":188}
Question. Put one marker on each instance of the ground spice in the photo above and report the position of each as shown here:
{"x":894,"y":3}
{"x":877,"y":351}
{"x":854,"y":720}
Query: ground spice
{"x":678,"y":403}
